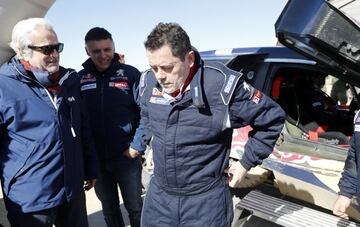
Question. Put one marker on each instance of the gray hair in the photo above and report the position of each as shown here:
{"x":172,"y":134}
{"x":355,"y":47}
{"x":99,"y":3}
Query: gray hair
{"x":20,"y":38}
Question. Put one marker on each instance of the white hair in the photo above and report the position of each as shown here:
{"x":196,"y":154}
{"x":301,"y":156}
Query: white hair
{"x":20,"y":38}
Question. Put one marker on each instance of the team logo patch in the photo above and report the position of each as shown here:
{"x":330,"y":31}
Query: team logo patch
{"x":88,"y":86}
{"x":156,"y":92}
{"x":160,"y":100}
{"x":357,"y":120}
{"x":120,"y":72}
{"x":71,"y":99}
{"x":357,"y":128}
{"x":357,"y":117}
{"x":257,"y":97}
{"x":246,"y":86}
{"x":229,"y":83}
{"x":315,"y":104}
{"x":116,"y":78}
{"x":88,"y":78}
{"x":121,"y":85}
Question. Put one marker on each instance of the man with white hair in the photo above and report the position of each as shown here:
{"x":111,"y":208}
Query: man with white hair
{"x":46,"y":151}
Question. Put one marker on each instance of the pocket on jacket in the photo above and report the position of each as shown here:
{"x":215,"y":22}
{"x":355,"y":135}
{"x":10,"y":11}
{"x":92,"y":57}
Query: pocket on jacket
{"x":14,"y":160}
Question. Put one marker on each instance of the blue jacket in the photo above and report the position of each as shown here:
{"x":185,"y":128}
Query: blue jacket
{"x":349,"y":183}
{"x":46,"y":150}
{"x":112,"y":103}
{"x":191,"y":137}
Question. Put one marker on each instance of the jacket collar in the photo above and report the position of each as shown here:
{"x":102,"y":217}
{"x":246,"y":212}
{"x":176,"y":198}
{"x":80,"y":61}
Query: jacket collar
{"x":16,"y":69}
{"x":196,"y":84}
{"x":19,"y":70}
{"x":90,"y":66}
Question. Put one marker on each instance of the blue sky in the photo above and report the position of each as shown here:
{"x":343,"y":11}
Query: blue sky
{"x":211,"y":24}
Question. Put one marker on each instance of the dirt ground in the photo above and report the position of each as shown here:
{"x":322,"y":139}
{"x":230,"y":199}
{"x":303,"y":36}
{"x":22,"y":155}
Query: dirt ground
{"x":93,"y":205}
{"x":96,"y":218}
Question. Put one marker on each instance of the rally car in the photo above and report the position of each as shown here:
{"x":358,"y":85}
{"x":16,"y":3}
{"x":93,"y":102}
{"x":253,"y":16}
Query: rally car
{"x":318,"y":41}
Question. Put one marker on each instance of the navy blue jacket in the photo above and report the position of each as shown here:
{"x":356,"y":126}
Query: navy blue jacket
{"x":191,"y":137}
{"x":46,"y":150}
{"x":349,"y":183}
{"x":112,"y":103}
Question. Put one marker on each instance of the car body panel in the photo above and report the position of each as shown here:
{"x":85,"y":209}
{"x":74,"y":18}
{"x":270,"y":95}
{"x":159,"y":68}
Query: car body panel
{"x":11,"y":12}
{"x":304,"y":169}
{"x":320,"y":31}
{"x":348,"y":7}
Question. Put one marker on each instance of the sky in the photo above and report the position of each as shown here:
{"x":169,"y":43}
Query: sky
{"x":210,"y":24}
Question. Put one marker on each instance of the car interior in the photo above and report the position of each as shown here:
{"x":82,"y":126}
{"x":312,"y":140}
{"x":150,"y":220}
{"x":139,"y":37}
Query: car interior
{"x":327,"y":116}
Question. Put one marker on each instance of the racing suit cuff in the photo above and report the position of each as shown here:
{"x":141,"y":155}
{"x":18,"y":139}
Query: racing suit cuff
{"x":345,"y":193}
{"x":140,"y":149}
{"x":245,"y":163}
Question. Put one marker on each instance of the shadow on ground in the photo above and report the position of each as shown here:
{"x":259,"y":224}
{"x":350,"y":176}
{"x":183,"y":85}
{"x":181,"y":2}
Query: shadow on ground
{"x":96,"y":219}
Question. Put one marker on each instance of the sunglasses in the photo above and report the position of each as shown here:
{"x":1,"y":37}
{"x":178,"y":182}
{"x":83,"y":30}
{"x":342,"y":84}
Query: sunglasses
{"x":48,"y":49}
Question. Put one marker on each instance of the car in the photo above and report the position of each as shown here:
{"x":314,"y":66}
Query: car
{"x":301,"y":167}
{"x":319,"y":43}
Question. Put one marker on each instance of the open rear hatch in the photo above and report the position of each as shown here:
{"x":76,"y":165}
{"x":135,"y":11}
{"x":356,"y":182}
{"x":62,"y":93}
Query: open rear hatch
{"x":320,"y":31}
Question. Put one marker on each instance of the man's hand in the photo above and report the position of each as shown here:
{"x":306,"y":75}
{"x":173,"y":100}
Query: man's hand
{"x":131,"y":153}
{"x":236,"y":172}
{"x":89,"y":184}
{"x":340,"y":206}
{"x":149,"y":161}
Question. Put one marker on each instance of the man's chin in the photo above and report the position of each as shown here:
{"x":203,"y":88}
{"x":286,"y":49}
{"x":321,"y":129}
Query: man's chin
{"x":53,"y":69}
{"x":169,"y":91}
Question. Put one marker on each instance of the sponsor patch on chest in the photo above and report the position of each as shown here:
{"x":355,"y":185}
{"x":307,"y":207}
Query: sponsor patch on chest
{"x":159,"y":100}
{"x":156,"y":92}
{"x":87,"y":78}
{"x":316,"y":104}
{"x":357,"y":118}
{"x":121,"y":85}
{"x":117,"y":78}
{"x":257,"y":97}
{"x":357,"y":128}
{"x":229,"y":84}
{"x":88,"y":86}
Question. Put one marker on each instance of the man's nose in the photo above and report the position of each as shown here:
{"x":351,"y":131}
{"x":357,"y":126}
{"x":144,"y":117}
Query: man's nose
{"x":102,"y":54}
{"x":161,"y":75}
{"x":54,"y":53}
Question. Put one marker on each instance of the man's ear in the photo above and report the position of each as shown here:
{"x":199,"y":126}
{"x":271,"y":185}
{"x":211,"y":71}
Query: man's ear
{"x":191,"y":58}
{"x":23,"y":55}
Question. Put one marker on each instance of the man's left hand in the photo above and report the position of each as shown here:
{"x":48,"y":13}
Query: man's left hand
{"x":131,"y":153}
{"x":236,"y":173}
{"x":89,"y":184}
